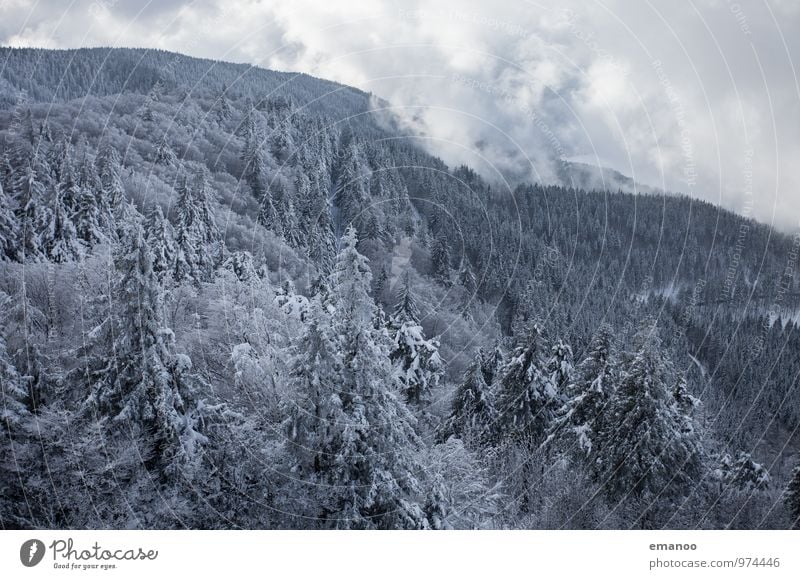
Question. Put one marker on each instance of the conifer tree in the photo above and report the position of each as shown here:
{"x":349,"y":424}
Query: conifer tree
{"x":581,"y":420}
{"x":268,"y":211}
{"x":380,"y":286}
{"x":356,"y":443}
{"x":472,"y":414}
{"x":742,"y":474}
{"x":527,"y":398}
{"x":209,"y":232}
{"x":351,"y":191}
{"x":185,"y":242}
{"x":141,"y":383}
{"x":111,"y":196}
{"x":416,"y":359}
{"x":88,"y":178}
{"x":28,"y":187}
{"x":306,"y":205}
{"x":560,"y":367}
{"x":242,"y":265}
{"x":491,"y":363}
{"x":195,"y":233}
{"x":373,"y":230}
{"x":321,"y":244}
{"x":146,"y":113}
{"x":59,"y":159}
{"x":440,"y":261}
{"x":165,"y":155}
{"x":466,"y":278}
{"x":405,"y":308}
{"x":686,"y":405}
{"x":278,"y":214}
{"x":223,"y":107}
{"x":59,"y":239}
{"x":16,"y":424}
{"x":252,"y":155}
{"x":9,"y":228}
{"x":88,"y":218}
{"x":526,"y":308}
{"x":320,"y":238}
{"x":315,"y":375}
{"x":644,"y":450}
{"x":280,"y":141}
{"x":161,"y":239}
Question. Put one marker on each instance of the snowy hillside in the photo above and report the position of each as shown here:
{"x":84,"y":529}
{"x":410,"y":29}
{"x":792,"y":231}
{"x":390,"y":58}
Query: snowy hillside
{"x":232,"y":297}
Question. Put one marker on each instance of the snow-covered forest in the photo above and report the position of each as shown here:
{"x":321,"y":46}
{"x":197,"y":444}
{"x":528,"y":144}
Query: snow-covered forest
{"x":237,"y":298}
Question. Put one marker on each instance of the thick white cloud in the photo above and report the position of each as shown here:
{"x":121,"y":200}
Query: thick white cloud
{"x":699,"y":97}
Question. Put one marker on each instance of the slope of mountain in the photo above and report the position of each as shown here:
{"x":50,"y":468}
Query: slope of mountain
{"x":208,"y":268}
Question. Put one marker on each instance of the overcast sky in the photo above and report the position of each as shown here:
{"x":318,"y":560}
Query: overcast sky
{"x":698,"y":97}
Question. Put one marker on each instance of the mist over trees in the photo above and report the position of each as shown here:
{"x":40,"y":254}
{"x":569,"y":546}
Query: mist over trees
{"x":236,"y":298}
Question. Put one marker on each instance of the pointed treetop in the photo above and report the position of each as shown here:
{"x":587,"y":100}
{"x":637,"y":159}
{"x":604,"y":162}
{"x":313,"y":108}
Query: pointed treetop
{"x":406,"y":308}
{"x":352,"y":281}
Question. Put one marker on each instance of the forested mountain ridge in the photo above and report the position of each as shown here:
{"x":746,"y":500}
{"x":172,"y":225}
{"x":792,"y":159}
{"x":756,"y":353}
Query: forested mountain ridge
{"x":271,"y":309}
{"x":104,"y":72}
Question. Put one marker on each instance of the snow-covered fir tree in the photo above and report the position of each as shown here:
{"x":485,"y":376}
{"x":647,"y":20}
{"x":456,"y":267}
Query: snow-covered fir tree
{"x":281,"y":143}
{"x":527,"y":398}
{"x":466,"y":277}
{"x":195,"y":231}
{"x":491,"y":363}
{"x":379,"y":287}
{"x":160,"y":237}
{"x":405,"y":308}
{"x":529,"y":309}
{"x":88,"y":218}
{"x":316,"y":213}
{"x":284,"y":218}
{"x":252,"y":154}
{"x":222,"y":107}
{"x":560,"y":367}
{"x":355,"y":442}
{"x":417,"y":362}
{"x":306,"y":205}
{"x":461,"y":490}
{"x":209,"y":233}
{"x":416,"y":359}
{"x":242,"y":265}
{"x":742,"y":474}
{"x":686,"y":404}
{"x":165,"y":155}
{"x":144,"y":384}
{"x":9,"y":228}
{"x":581,"y":420}
{"x":111,"y":195}
{"x":59,"y":239}
{"x":28,"y":186}
{"x":315,"y":414}
{"x":472,"y":413}
{"x":16,"y":428}
{"x":351,"y":185}
{"x":146,"y":114}
{"x":440,"y":261}
{"x":644,"y":450}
